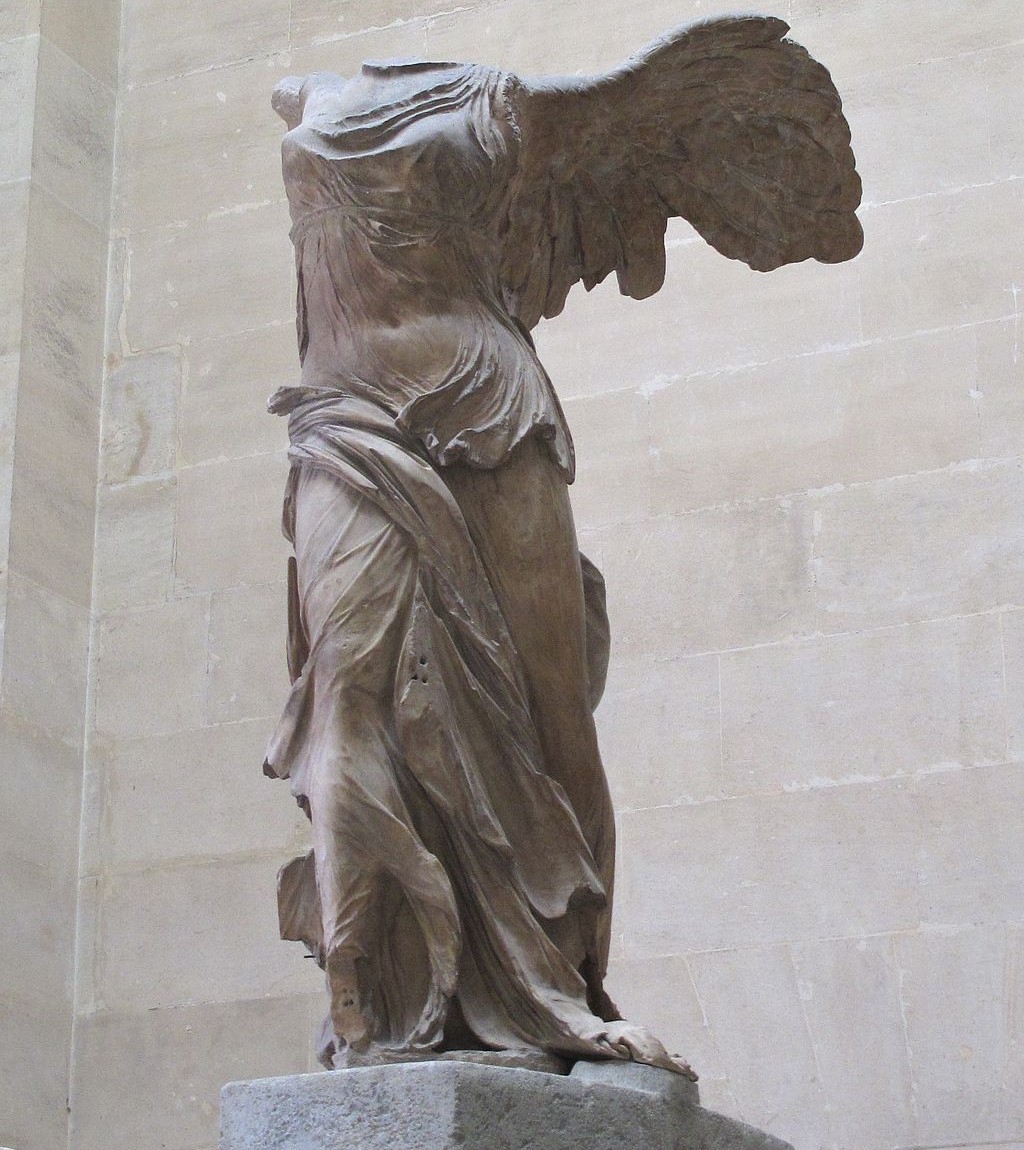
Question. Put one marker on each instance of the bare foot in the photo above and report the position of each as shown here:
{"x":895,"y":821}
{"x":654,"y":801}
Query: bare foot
{"x":639,"y":1045}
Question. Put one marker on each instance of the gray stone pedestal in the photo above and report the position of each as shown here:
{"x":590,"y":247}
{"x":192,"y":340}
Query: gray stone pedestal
{"x":465,"y":1106}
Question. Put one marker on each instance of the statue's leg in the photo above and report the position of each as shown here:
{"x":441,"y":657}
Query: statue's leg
{"x":350,"y":887}
{"x":521,"y":521}
{"x":356,"y":577}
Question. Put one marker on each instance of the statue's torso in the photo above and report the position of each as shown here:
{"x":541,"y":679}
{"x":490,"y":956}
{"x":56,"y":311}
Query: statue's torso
{"x":397,"y":211}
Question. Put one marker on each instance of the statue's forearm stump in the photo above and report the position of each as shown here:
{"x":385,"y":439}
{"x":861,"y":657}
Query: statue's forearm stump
{"x":462,"y":1106}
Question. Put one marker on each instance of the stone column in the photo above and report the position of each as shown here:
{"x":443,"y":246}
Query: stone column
{"x":58,"y":63}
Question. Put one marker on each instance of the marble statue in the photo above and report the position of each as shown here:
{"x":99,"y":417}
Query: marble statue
{"x":447,"y":641}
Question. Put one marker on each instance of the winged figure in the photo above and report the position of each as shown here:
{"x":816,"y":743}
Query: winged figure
{"x":447,"y":641}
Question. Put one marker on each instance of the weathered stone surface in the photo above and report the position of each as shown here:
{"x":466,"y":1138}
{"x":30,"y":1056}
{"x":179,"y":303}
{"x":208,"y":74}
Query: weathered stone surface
{"x":37,"y":873}
{"x":57,"y":424}
{"x":660,"y":994}
{"x":936,"y":261}
{"x":13,"y":229}
{"x":18,"y":58}
{"x":153,"y":667}
{"x":220,"y":916}
{"x":751,"y":999}
{"x":1006,"y":135}
{"x":161,"y":42}
{"x":823,"y":863}
{"x":444,"y":1105}
{"x":56,"y":144}
{"x":89,"y":33}
{"x":194,"y":282}
{"x":962,"y":1056}
{"x":1013,"y":649}
{"x":850,"y":995}
{"x":19,"y":18}
{"x":43,"y":686}
{"x":64,"y":296}
{"x":34,"y":1083}
{"x":751,"y":563}
{"x":140,"y":416}
{"x":248,"y":631}
{"x":837,"y":404}
{"x":428,"y":512}
{"x":172,"y":1064}
{"x":228,"y":524}
{"x":936,"y":154}
{"x":327,"y":21}
{"x":783,"y":427}
{"x":660,"y":729}
{"x":973,"y":872}
{"x":533,"y":39}
{"x":927,"y":546}
{"x":224,"y":398}
{"x":613,"y":476}
{"x":9,"y":365}
{"x":134,"y":544}
{"x":1000,"y":398}
{"x":73,"y":137}
{"x":872,"y":36}
{"x":345,"y":56}
{"x":53,"y":491}
{"x":161,"y":126}
{"x":682,"y":334}
{"x":794,"y":715}
{"x":156,"y":809}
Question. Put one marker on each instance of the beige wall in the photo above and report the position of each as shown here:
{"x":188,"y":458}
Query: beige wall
{"x":58,"y":77}
{"x":805,"y":490}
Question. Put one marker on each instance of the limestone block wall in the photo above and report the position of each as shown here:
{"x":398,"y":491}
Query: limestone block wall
{"x":58,"y":76}
{"x":804,"y":490}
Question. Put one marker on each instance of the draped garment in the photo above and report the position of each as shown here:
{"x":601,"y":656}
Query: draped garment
{"x":397,"y":217}
{"x":465,"y":757}
{"x":439,"y":210}
{"x":460,"y":866}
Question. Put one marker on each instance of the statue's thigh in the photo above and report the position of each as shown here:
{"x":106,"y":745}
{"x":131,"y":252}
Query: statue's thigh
{"x":357,"y":577}
{"x":521,"y":521}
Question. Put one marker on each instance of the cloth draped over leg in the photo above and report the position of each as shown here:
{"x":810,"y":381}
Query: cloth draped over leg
{"x":446,"y":859}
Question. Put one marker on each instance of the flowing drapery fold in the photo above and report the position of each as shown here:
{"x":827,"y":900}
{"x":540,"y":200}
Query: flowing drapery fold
{"x":480,"y":848}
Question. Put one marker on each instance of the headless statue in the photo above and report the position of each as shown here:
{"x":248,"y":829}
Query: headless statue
{"x":447,"y":640}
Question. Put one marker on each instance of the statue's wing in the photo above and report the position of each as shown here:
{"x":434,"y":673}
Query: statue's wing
{"x":726,"y":124}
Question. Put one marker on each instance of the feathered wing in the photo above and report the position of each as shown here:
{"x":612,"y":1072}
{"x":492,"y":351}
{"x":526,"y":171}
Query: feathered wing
{"x":726,"y":124}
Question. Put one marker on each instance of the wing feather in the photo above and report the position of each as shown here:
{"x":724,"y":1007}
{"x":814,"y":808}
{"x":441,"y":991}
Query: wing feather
{"x":726,"y":124}
{"x":600,"y":239}
{"x":566,"y":253}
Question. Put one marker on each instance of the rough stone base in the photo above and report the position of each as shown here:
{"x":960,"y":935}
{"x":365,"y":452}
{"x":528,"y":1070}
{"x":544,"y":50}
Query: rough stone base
{"x":465,"y":1106}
